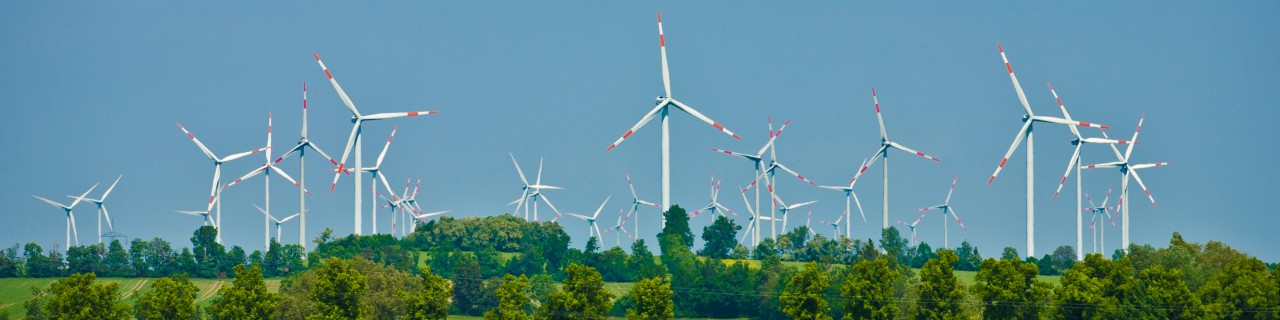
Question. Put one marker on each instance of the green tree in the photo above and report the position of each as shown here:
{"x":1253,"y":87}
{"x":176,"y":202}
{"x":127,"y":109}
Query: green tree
{"x":676,"y":223}
{"x":432,"y":302}
{"x":803,"y":297}
{"x":1243,"y":289}
{"x":868,"y":290}
{"x":172,"y":297}
{"x":719,"y":237}
{"x":467,"y":284}
{"x":1165,"y":288}
{"x":117,"y":260}
{"x":246,"y":298}
{"x":1010,"y":253}
{"x":139,"y":250}
{"x":1097,"y":288}
{"x":1062,"y":259}
{"x":1009,"y":290}
{"x":513,"y":299}
{"x":80,"y":296}
{"x":541,"y":286}
{"x":206,"y":250}
{"x":941,"y":293}
{"x":894,"y":244}
{"x":652,"y":298}
{"x":337,"y":290}
{"x":584,"y":296}
{"x":970,"y":259}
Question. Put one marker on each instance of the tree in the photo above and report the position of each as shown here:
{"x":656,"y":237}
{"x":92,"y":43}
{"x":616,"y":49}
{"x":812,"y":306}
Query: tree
{"x":467,"y":284}
{"x":803,"y":298}
{"x":172,"y":297}
{"x":324,"y":237}
{"x":940,"y":291}
{"x":652,"y":297}
{"x":893,"y":244}
{"x":970,"y":260}
{"x":1063,"y":258}
{"x":677,"y":223}
{"x":207,"y":251}
{"x":766,"y":248}
{"x":1010,"y":253}
{"x":1162,"y":287}
{"x":337,"y":290}
{"x":10,"y":265}
{"x":80,"y":296}
{"x":1097,"y":288}
{"x":584,"y":296}
{"x":868,"y":290}
{"x":1009,"y":289}
{"x":719,"y":237}
{"x":513,"y":299}
{"x":117,"y":260}
{"x":432,"y":302}
{"x":1241,"y":290}
{"x":139,"y":250}
{"x":246,"y":298}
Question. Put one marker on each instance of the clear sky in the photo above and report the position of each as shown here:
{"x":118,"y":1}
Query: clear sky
{"x":92,"y":90}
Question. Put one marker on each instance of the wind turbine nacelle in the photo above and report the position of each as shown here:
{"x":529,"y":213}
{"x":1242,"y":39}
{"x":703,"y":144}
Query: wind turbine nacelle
{"x":1026,"y":117}
{"x":355,"y":119}
{"x":658,"y":100}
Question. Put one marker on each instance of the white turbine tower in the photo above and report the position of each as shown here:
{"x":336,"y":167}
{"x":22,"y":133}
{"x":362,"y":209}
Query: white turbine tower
{"x":278,"y":222}
{"x":753,"y":227}
{"x":635,"y":204}
{"x":714,"y":207}
{"x":946,"y":209}
{"x":1099,"y":236}
{"x":1074,"y":164}
{"x":593,"y":229}
{"x":883,"y":152}
{"x":353,"y":141}
{"x":303,"y":143}
{"x":265,"y":171}
{"x":847,"y":215}
{"x":375,"y":175}
{"x":663,"y":110}
{"x":102,"y":207}
{"x":215,"y":192}
{"x":757,"y":163}
{"x":1028,"y":121}
{"x":71,"y":218}
{"x":1127,"y":170}
{"x":533,"y":192}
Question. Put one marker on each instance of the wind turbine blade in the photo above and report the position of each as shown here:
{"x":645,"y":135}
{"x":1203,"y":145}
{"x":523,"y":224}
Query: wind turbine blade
{"x":346,"y":151}
{"x":737,"y":154}
{"x":242,"y":154}
{"x":798,"y":205}
{"x":1144,"y":188}
{"x":792,"y":172}
{"x":251,"y":174}
{"x":316,"y":147}
{"x":953,"y":214}
{"x":341,"y":94}
{"x":773,"y":135}
{"x":1065,"y":115}
{"x":1129,"y":150}
{"x":606,"y":201}
{"x":73,"y":228}
{"x":390,"y":115}
{"x":1022,"y":97}
{"x":855,"y":200}
{"x":867,"y":164}
{"x":693,"y":112}
{"x":50,"y":202}
{"x":662,"y":44}
{"x":643,"y":120}
{"x":1071,"y":165}
{"x":386,"y":146}
{"x":198,"y":143}
{"x":538,"y":181}
{"x":953,"y":189}
{"x":1149,"y":165}
{"x":747,"y":204}
{"x":1017,"y":140}
{"x":108,"y":215}
{"x":909,"y":150}
{"x":548,"y":202}
{"x":874,"y":98}
{"x":113,"y":187}
{"x":578,"y":216}
{"x":521,"y":172}
{"x":81,"y":197}
{"x":289,"y":178}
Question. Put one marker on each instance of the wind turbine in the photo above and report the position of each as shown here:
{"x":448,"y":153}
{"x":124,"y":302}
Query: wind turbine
{"x":532,"y":191}
{"x":946,"y":209}
{"x":265,"y":170}
{"x":215,"y":200}
{"x":912,"y":226}
{"x":375,"y":175}
{"x":784,"y":208}
{"x":71,"y":218}
{"x":848,"y":193}
{"x":664,"y":103}
{"x":278,"y":222}
{"x":757,"y":163}
{"x":1127,"y":170}
{"x":620,"y":226}
{"x":1028,"y":123}
{"x":836,"y":226}
{"x":714,"y":205}
{"x":751,"y":221}
{"x":353,"y":141}
{"x":808,"y":219}
{"x":1075,"y":164}
{"x":303,"y":143}
{"x":1095,"y":210}
{"x":102,"y":207}
{"x":204,"y":215}
{"x":635,"y":204}
{"x":591,"y":221}
{"x":883,"y":152}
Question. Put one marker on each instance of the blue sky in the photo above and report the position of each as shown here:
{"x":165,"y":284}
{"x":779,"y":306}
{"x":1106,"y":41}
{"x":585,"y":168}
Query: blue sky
{"x":93,"y":91}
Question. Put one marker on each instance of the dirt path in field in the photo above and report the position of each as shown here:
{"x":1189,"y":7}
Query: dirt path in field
{"x":208,"y":293}
{"x":134,"y":289}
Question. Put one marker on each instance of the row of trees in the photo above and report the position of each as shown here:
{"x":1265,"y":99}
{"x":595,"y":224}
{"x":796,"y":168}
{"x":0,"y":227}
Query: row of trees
{"x":155,"y":258}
